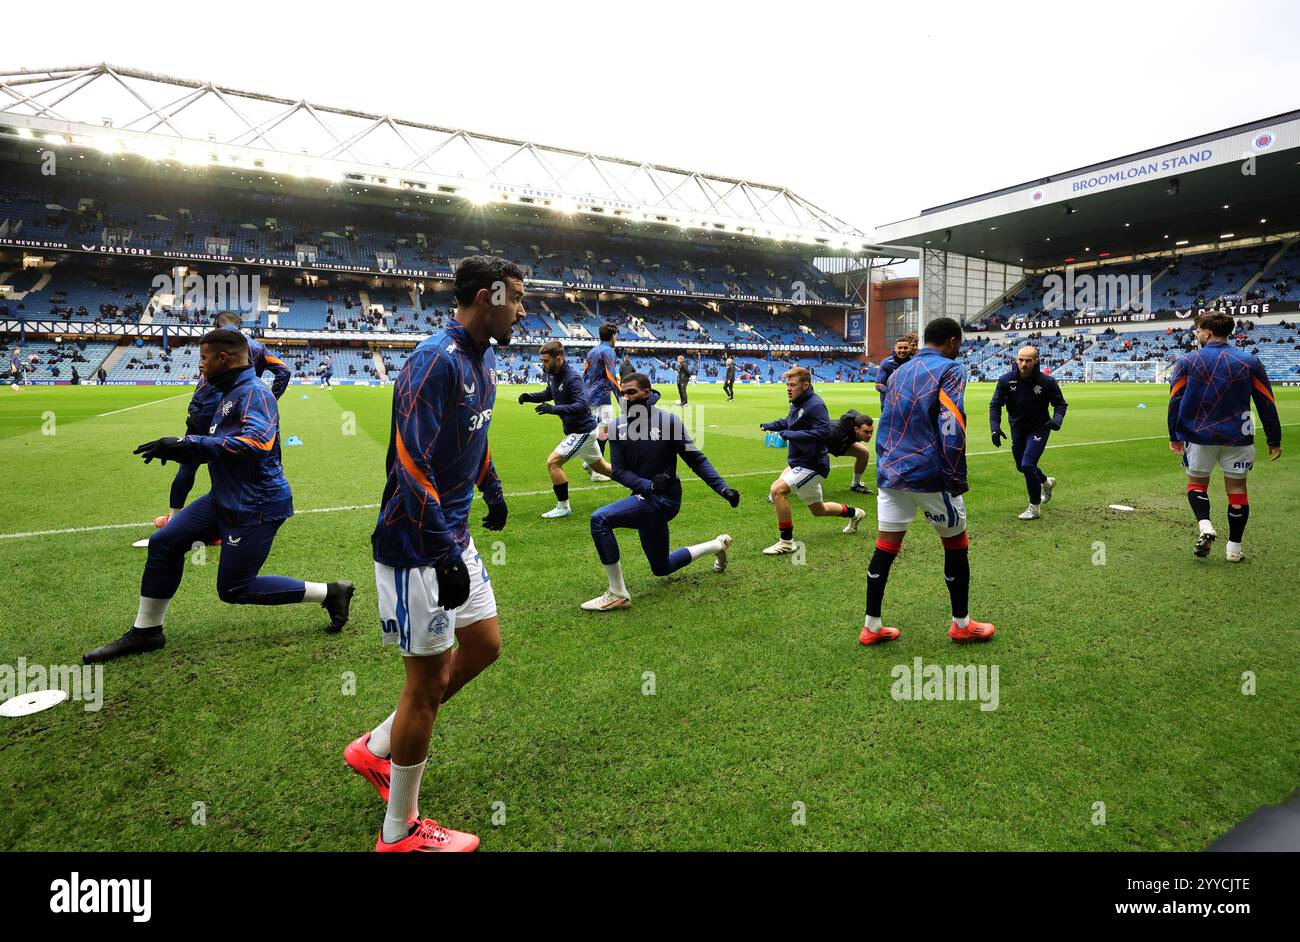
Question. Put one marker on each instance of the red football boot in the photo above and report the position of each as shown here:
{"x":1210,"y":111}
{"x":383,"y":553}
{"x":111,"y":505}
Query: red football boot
{"x":428,"y":836}
{"x":369,"y":766}
{"x":877,"y":637}
{"x":974,"y":631}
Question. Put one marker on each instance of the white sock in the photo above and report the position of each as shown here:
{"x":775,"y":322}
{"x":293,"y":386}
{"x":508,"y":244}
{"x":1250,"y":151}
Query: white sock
{"x":704,"y":549}
{"x":1234,"y":547}
{"x":314,"y":592}
{"x":380,"y":742}
{"x":403,"y":800}
{"x":615,"y":573}
{"x":151,"y":612}
{"x":857,"y":478}
{"x":961,"y":622}
{"x":873,"y":623}
{"x":561,"y":505}
{"x":174,"y":511}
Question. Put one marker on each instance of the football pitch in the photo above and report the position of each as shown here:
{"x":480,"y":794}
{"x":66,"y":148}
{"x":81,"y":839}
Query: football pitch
{"x":733,"y":711}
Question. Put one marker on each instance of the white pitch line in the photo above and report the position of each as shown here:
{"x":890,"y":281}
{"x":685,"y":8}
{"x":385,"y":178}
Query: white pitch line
{"x":143,"y":404}
{"x":588,"y":487}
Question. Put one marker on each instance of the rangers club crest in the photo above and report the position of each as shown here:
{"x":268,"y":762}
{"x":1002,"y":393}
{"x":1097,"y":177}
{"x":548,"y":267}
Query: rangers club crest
{"x":226,"y":407}
{"x":1264,"y":140}
{"x":1038,"y":390}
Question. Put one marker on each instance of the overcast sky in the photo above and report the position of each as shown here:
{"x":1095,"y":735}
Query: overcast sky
{"x":872,"y":111}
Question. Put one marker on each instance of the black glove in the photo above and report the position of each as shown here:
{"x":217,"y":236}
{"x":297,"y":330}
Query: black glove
{"x":731,"y":496}
{"x":496,"y":517}
{"x":453,"y":585}
{"x":545,"y":409}
{"x":764,"y":426}
{"x":662,"y":483}
{"x":1055,"y":424}
{"x":161,"y":448}
{"x":997,"y":437}
{"x":523,"y":397}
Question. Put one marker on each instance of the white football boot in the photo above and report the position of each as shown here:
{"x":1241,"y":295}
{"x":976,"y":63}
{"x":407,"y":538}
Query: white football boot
{"x":1235,"y":555}
{"x":608,"y":602}
{"x":720,"y":557}
{"x":780,"y":548}
{"x":1047,"y":489}
{"x":858,"y":516}
{"x":556,"y":512}
{"x":1031,"y":513}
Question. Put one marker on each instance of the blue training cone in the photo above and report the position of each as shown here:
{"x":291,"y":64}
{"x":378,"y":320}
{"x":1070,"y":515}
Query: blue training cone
{"x":1142,"y":405}
{"x":305,"y":396}
{"x":293,"y":440}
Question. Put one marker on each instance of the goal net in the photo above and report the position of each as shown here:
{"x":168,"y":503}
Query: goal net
{"x":1114,"y":371}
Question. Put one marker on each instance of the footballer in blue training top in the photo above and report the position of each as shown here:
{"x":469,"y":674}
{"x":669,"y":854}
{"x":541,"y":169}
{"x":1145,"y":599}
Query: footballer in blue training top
{"x":644,"y":446}
{"x":249,"y":500}
{"x":599,"y":373}
{"x":921,"y":466}
{"x":1210,"y":392}
{"x":807,"y":432}
{"x":567,"y":396}
{"x":436,"y":603}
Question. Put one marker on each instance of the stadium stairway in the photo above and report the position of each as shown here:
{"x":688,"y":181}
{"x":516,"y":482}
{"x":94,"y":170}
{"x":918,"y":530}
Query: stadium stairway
{"x":114,"y":358}
{"x":548,"y":317}
{"x":1273,"y":260}
{"x":379,"y":366}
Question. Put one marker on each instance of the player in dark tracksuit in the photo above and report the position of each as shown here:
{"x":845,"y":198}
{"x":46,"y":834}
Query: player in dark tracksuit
{"x":567,"y":396}
{"x":683,"y":379}
{"x":904,"y":349}
{"x":645,"y":443}
{"x":850,"y":437}
{"x":1027,"y":392}
{"x":204,"y":401}
{"x":729,"y":383}
{"x":249,"y":500}
{"x":806,"y":429}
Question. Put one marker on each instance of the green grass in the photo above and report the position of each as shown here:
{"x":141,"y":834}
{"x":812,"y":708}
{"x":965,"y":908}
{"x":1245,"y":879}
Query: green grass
{"x":1119,"y":683}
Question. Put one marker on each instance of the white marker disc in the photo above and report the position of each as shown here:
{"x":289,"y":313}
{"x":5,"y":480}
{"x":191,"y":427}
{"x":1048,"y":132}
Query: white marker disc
{"x":32,"y":702}
{"x":141,"y":544}
{"x":1120,"y":507}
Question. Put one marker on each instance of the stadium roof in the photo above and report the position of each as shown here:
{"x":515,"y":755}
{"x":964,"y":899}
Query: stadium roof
{"x":1239,"y":183}
{"x":125,"y":110}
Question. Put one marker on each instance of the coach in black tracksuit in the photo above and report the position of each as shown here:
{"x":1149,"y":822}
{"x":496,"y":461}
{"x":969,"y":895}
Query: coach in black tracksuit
{"x":1027,"y":392}
{"x":683,"y":378}
{"x":729,"y":383}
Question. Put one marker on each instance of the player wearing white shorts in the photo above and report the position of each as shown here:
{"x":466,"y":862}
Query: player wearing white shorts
{"x":411,"y":616}
{"x":1210,"y":392}
{"x":435,"y":598}
{"x":566,"y":395}
{"x":807,"y":430}
{"x":921,"y":466}
{"x":602,"y":386}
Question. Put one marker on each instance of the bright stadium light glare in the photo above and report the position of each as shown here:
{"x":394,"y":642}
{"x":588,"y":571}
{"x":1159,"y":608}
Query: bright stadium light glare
{"x":25,"y":132}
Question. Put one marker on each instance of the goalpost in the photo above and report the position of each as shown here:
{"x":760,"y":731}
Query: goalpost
{"x":1116,"y":371}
